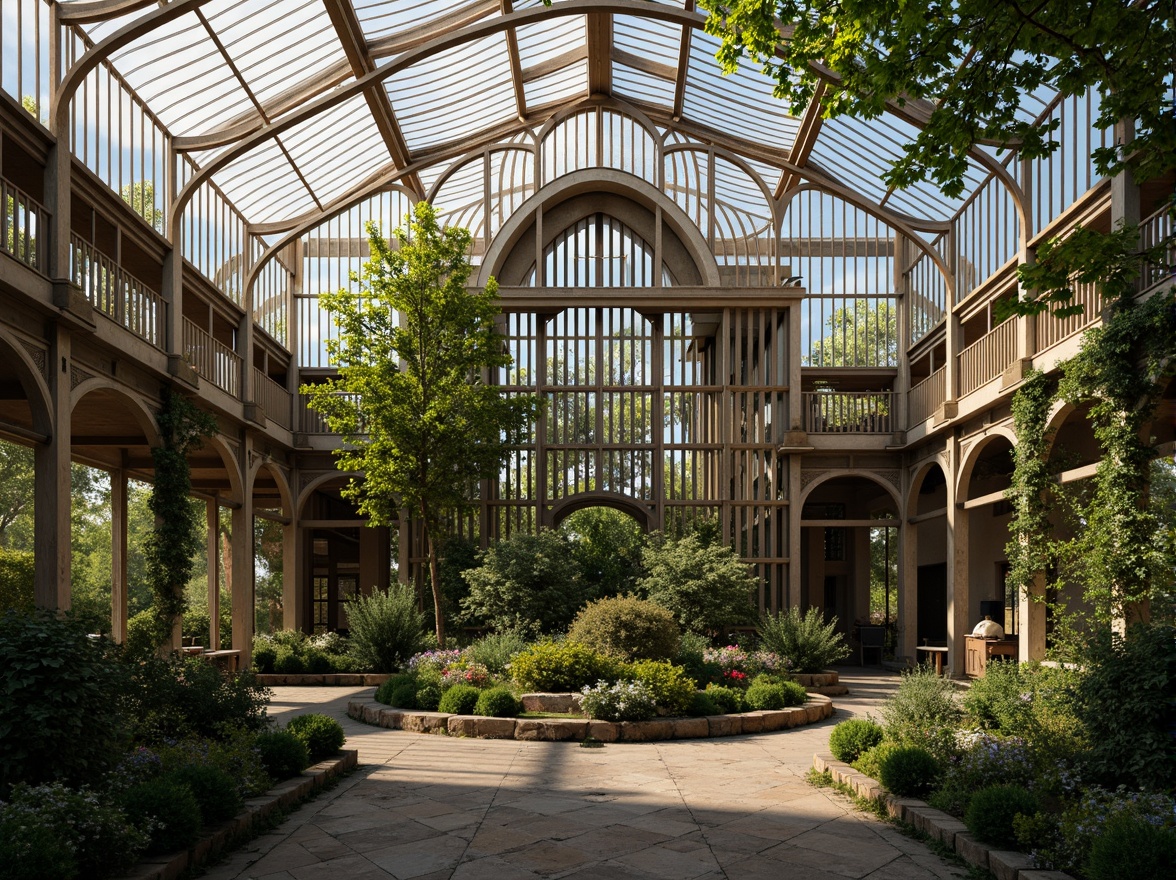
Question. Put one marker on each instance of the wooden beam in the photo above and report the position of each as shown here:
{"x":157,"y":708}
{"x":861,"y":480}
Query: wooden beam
{"x":683,"y":67}
{"x":20,"y":432}
{"x":104,"y":440}
{"x":982,"y":501}
{"x":1078,"y":473}
{"x":923,"y":517}
{"x":516,"y":63}
{"x":599,"y":53}
{"x":806,"y":139}
{"x":848,"y":523}
{"x":332,"y":523}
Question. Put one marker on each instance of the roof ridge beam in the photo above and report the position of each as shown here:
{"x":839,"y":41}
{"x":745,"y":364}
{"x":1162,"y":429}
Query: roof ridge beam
{"x":600,"y":40}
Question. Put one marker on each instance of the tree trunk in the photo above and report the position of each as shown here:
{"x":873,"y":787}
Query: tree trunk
{"x":434,"y":578}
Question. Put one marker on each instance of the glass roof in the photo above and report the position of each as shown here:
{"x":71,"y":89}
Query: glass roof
{"x":290,"y":106}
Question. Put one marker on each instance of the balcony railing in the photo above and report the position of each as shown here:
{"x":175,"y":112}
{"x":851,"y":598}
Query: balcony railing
{"x":213,"y":360}
{"x":311,"y":421}
{"x":987,"y":357}
{"x":272,"y":397}
{"x":117,"y":293}
{"x":24,"y":227}
{"x":849,"y":412}
{"x":926,"y":397}
{"x":1154,"y":231}
{"x":1051,"y":330}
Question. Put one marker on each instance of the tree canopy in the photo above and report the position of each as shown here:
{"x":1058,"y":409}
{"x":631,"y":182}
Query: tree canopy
{"x":411,"y":402}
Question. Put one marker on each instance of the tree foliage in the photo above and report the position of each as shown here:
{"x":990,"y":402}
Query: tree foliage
{"x":704,"y":585}
{"x":971,"y":65}
{"x":412,"y":403}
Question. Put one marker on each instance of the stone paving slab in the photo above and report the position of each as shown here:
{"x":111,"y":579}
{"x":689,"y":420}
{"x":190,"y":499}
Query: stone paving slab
{"x":426,"y":806}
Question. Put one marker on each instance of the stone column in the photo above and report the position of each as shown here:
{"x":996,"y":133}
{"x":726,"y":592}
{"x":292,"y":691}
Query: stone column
{"x":51,"y":516}
{"x":118,"y":555}
{"x":242,"y":593}
{"x":212,"y":517}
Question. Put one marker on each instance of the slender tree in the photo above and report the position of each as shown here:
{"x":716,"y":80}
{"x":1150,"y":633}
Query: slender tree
{"x":412,"y":403}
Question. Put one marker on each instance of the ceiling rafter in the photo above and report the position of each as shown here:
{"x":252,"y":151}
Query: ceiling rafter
{"x":683,"y":67}
{"x":516,"y":63}
{"x":99,"y":10}
{"x":806,"y":139}
{"x":600,"y":45}
{"x":350,"y":33}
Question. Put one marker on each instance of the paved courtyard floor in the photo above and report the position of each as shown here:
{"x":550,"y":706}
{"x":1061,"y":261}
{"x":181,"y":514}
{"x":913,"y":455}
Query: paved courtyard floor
{"x":426,"y":806}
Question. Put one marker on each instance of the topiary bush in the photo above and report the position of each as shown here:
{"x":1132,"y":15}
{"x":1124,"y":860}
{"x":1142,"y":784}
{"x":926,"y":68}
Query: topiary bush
{"x":386,"y":628}
{"x":169,"y":809}
{"x":322,"y":734}
{"x":264,"y":657}
{"x":561,"y":666}
{"x":869,"y":762}
{"x":497,"y":702}
{"x":1131,"y":848}
{"x":850,"y":739}
{"x":384,"y":691}
{"x":702,"y":704}
{"x":289,"y":662}
{"x":283,"y":754}
{"x":908,"y":771}
{"x":427,"y":697}
{"x":766,"y":693}
{"x":628,"y":628}
{"x":923,"y":712}
{"x":214,"y":790}
{"x":671,"y":687}
{"x":991,"y":812}
{"x":729,"y":700}
{"x":60,"y":716}
{"x":460,"y":699}
{"x":807,"y":642}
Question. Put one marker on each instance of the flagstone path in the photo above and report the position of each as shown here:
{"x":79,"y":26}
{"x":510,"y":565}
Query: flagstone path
{"x":429,"y":807}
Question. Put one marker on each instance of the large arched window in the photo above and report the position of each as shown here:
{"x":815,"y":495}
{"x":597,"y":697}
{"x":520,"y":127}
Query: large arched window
{"x":599,"y":251}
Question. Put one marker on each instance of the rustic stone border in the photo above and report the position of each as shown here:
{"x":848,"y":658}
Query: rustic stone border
{"x":339,"y":679}
{"x":816,"y":709}
{"x":938,"y":825}
{"x":219,"y":838}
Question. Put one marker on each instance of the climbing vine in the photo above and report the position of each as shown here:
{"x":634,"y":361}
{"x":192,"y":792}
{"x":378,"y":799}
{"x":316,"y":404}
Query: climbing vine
{"x":176,"y":537}
{"x":1119,"y":372}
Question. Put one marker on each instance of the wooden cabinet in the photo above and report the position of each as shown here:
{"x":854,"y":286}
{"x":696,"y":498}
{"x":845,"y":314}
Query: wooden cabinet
{"x":980,"y":651}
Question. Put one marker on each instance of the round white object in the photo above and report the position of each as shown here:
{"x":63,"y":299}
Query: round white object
{"x":988,"y":629}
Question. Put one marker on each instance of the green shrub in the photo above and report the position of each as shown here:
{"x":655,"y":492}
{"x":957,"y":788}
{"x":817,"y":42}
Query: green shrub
{"x":628,"y":628}
{"x":991,"y":812}
{"x":1132,"y":849}
{"x":459,"y":699}
{"x":849,"y":739}
{"x":173,"y":699}
{"x":923,"y":712}
{"x":283,"y":754}
{"x":143,"y":635}
{"x":984,"y":761}
{"x":289,"y":662}
{"x":497,"y":702}
{"x":264,"y":658}
{"x":169,"y":809}
{"x":767,"y":694}
{"x":427,"y":697}
{"x":806,"y":642}
{"x":1127,"y":703}
{"x":384,"y":691}
{"x":403,"y":696}
{"x":494,"y":651}
{"x":560,"y":666}
{"x":60,"y":716}
{"x":214,"y":790}
{"x":322,"y":734}
{"x":16,"y":581}
{"x":607,"y":549}
{"x":729,"y":700}
{"x":908,"y":771}
{"x":691,"y":656}
{"x":619,"y":701}
{"x":702,"y":704}
{"x":704,"y":585}
{"x":386,"y":628}
{"x":526,"y":583}
{"x":672,"y":688}
{"x":319,"y":662}
{"x":869,"y":763}
{"x":54,"y":831}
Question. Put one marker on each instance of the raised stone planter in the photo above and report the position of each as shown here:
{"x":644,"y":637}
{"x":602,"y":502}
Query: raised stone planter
{"x":937,"y":825}
{"x":826,"y":683}
{"x":552,"y":703}
{"x":566,"y":729}
{"x":334,"y":679}
{"x":256,"y":812}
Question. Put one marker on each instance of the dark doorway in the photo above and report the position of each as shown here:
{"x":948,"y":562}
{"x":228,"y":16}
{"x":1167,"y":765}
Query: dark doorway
{"x":932,"y":617}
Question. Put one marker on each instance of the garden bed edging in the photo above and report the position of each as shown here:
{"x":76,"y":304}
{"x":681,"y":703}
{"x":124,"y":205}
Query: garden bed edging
{"x":938,"y":825}
{"x":817,"y":708}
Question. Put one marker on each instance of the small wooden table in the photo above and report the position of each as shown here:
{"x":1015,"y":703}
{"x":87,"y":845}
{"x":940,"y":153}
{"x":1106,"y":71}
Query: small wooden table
{"x":936,"y":652}
{"x":229,"y":661}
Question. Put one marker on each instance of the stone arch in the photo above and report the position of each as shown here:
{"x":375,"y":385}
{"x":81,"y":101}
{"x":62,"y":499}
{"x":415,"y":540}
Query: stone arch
{"x":974,"y":453}
{"x":917,"y":478}
{"x":594,"y":183}
{"x":217,"y":444}
{"x":32,"y":381}
{"x":623,"y":503}
{"x":321,"y":480}
{"x":280,"y":481}
{"x":139,"y":409}
{"x":869,"y":476}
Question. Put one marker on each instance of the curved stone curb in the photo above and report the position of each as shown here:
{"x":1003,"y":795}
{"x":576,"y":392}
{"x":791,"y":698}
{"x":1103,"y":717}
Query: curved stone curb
{"x":333,"y":679}
{"x":219,"y":838}
{"x":938,"y":825}
{"x":816,"y":709}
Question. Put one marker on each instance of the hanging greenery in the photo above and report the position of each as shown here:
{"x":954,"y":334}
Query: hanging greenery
{"x":1120,"y":372}
{"x":176,"y":537}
